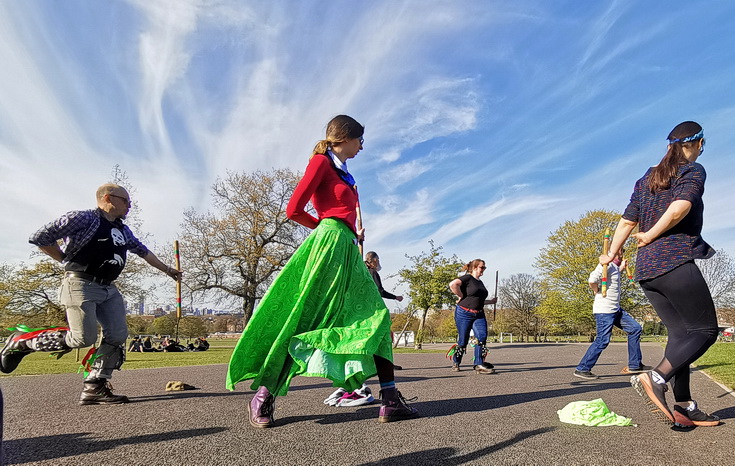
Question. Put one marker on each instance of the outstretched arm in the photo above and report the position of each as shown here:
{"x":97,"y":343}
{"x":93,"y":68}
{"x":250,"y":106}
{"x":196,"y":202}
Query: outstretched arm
{"x":156,"y":262}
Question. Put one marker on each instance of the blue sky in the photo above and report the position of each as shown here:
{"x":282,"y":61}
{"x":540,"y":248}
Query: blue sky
{"x":488,"y":123}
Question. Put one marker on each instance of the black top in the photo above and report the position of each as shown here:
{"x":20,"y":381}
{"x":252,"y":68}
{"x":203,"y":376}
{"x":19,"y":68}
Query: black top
{"x":473,"y":291}
{"x":379,"y":284}
{"x":104,"y":256}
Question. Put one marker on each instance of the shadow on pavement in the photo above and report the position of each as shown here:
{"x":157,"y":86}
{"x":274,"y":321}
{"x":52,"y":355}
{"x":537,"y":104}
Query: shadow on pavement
{"x":33,"y":449}
{"x":446,"y":456}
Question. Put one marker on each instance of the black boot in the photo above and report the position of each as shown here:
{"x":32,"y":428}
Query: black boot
{"x":99,"y":392}
{"x":20,"y":344}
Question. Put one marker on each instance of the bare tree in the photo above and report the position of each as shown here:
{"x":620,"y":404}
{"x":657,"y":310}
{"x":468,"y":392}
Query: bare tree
{"x":719,"y":273}
{"x":28,"y":294}
{"x":137,"y":279}
{"x":235,"y":252}
{"x":520,"y":296}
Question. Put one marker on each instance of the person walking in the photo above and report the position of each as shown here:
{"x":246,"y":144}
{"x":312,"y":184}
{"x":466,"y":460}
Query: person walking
{"x":608,"y":314}
{"x":323,"y":315}
{"x":96,"y":243}
{"x":469,"y":315}
{"x":666,"y":206}
{"x":363,"y":395}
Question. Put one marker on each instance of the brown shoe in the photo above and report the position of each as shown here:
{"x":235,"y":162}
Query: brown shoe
{"x":99,"y":392}
{"x":455,"y":367}
{"x":654,"y":395}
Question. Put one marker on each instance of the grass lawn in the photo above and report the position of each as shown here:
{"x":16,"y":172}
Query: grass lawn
{"x":719,"y":362}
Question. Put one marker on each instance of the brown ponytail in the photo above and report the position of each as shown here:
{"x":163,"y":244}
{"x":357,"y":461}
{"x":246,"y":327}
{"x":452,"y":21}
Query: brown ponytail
{"x":660,"y":177}
{"x":470,"y":266}
{"x":339,"y":129}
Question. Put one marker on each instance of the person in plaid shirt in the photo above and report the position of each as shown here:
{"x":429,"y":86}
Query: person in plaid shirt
{"x":94,"y":250}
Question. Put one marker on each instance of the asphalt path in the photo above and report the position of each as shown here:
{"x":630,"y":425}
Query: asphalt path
{"x":509,"y":418}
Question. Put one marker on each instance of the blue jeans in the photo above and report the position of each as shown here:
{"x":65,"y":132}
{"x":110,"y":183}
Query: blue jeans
{"x":605,"y":323}
{"x":467,"y":321}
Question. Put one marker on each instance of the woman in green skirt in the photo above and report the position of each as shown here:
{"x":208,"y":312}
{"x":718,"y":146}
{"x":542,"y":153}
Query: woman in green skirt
{"x":323,"y":315}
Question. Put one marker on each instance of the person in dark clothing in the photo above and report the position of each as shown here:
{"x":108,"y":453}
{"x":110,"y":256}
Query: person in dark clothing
{"x":667,"y":208}
{"x":470,"y":315}
{"x":363,"y":395}
{"x":372,"y":261}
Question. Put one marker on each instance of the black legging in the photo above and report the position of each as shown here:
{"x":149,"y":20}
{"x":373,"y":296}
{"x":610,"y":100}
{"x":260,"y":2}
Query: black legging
{"x":683,"y":301}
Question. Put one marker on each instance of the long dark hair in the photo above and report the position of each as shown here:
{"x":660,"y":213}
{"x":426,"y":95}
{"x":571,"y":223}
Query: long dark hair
{"x":660,"y":177}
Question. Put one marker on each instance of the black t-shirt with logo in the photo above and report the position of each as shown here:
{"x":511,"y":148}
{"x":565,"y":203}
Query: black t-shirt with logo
{"x":105,"y":254}
{"x":474,"y":293}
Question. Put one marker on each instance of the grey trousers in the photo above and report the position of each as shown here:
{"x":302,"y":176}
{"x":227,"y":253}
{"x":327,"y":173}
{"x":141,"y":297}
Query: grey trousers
{"x":88,"y":304}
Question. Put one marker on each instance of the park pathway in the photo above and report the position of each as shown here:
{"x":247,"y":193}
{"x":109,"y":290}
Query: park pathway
{"x":504,"y":419}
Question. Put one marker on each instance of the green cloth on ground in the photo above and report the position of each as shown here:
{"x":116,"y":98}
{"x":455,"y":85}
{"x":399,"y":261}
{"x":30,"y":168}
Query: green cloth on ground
{"x":591,"y":413}
{"x":322,"y":317}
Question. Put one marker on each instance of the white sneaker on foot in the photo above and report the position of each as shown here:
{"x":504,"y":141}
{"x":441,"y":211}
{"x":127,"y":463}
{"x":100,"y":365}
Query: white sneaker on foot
{"x":362,"y":396}
{"x":332,"y":399}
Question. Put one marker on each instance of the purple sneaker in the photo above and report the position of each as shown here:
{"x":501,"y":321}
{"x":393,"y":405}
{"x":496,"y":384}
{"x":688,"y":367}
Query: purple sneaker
{"x":260,"y":409}
{"x":395,"y":407}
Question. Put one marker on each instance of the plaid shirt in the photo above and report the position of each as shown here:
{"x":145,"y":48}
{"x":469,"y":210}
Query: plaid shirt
{"x":77,"y":228}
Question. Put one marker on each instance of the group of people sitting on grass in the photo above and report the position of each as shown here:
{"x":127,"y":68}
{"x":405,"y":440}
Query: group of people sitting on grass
{"x":168,"y":345}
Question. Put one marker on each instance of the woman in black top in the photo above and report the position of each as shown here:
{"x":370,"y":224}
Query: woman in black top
{"x":470,"y":315}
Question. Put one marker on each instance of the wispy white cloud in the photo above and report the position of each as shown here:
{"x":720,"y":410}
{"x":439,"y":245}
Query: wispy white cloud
{"x":476,"y":217}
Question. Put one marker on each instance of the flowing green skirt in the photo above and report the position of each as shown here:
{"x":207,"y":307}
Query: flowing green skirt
{"x":322,"y":317}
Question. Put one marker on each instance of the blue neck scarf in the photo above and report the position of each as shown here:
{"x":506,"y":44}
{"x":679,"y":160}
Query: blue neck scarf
{"x":341,"y":168}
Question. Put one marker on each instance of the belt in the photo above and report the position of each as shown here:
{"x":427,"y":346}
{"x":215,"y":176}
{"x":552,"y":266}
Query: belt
{"x":89,"y":277}
{"x":474,"y":311}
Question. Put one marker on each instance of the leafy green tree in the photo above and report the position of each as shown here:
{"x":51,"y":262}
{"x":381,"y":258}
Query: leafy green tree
{"x":236,"y":252}
{"x":136,"y":325}
{"x":192,"y":327}
{"x":571,"y":253}
{"x":164,"y":325}
{"x":428,"y":279}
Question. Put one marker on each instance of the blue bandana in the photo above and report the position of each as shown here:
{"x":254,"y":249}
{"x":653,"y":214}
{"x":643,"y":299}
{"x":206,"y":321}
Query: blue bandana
{"x":699,"y":135}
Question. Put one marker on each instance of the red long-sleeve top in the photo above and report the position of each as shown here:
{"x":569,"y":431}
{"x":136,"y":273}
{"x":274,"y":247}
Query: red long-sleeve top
{"x":330,"y":195}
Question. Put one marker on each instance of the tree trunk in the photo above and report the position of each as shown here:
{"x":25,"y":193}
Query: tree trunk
{"x":420,"y":334}
{"x":403,"y":330}
{"x":248,"y":305}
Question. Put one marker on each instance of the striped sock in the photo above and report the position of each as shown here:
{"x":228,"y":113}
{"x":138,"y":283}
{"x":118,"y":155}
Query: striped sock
{"x":388,"y":385}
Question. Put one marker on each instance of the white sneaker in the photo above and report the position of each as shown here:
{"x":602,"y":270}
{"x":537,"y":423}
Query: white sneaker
{"x":362,"y":396}
{"x":332,"y":399}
